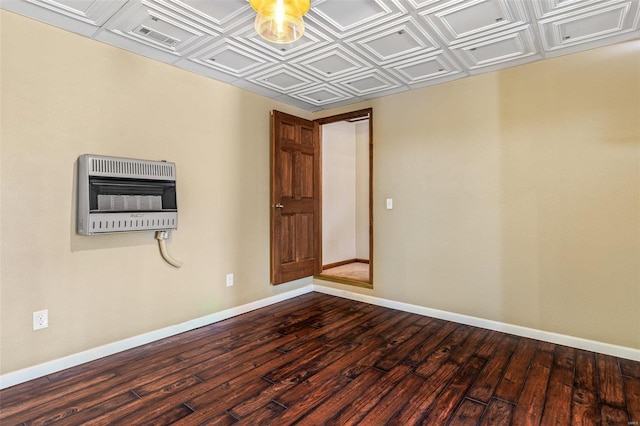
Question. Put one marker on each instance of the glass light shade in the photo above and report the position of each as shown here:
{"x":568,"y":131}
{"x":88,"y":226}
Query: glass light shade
{"x":280,"y":21}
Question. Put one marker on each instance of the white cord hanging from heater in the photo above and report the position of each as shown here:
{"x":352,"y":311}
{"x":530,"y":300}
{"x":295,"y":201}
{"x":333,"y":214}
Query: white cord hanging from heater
{"x":162,"y":236}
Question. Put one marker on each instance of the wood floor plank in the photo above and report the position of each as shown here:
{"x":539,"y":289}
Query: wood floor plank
{"x":316,"y":396}
{"x":468,"y":413}
{"x":52,"y":401}
{"x":320,"y":359}
{"x":353,"y":413}
{"x":349,"y":325}
{"x":484,"y":387}
{"x":467,"y":349}
{"x":546,"y":347}
{"x":511,"y":383}
{"x":297,"y":394}
{"x":632,"y":392}
{"x":212,"y":406}
{"x":288,"y":376}
{"x":531,"y":401}
{"x":267,"y":415}
{"x":584,"y":405}
{"x":394,"y":320}
{"x":584,"y":408}
{"x":630,"y":368}
{"x":387,"y":409}
{"x":564,"y":363}
{"x":610,"y":379}
{"x":445,"y":406}
{"x":614,"y":416}
{"x":84,"y":411}
{"x":387,"y":344}
{"x":394,"y":357}
{"x":343,"y":397}
{"x":492,"y":343}
{"x":431,"y":387}
{"x":224,"y":419}
{"x":170,"y":416}
{"x":557,"y":408}
{"x":425,"y":348}
{"x":442,"y":353}
{"x":498,"y":413}
{"x":298,"y":370}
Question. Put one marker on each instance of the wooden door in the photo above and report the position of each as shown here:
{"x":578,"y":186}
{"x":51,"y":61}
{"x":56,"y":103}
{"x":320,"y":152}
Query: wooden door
{"x":295,"y":198}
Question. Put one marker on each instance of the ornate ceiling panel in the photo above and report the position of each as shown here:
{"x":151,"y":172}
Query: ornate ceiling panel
{"x":352,"y":49}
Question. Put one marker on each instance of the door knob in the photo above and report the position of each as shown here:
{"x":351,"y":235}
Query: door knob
{"x":279,"y":206}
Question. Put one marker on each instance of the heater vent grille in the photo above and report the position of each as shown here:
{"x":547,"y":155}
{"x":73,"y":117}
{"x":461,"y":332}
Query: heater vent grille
{"x":125,"y":222}
{"x":156,"y":36}
{"x":131,"y":168}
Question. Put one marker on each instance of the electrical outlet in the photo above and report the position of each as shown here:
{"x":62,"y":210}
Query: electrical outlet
{"x":41,"y":319}
{"x":229,"y":280}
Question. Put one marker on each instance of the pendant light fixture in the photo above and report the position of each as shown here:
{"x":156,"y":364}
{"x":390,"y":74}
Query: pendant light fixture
{"x":280,"y":21}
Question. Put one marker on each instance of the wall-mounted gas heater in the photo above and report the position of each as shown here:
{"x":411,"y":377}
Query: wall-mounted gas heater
{"x":123,"y":194}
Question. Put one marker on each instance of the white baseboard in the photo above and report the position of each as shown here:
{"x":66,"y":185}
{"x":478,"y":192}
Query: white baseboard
{"x":30,"y":373}
{"x":546,"y":336}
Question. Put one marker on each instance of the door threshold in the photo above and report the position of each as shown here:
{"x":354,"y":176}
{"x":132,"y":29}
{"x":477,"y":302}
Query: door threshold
{"x":347,"y":281}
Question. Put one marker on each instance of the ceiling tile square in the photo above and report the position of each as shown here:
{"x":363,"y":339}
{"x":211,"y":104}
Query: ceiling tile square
{"x":222,"y":16}
{"x":417,"y":4}
{"x":230,"y":57}
{"x":94,"y":12}
{"x":343,"y":18}
{"x":83,"y":17}
{"x":496,"y":49}
{"x":393,"y":42}
{"x":546,"y":8}
{"x":589,"y":24}
{"x":206,"y":71}
{"x":322,"y":94}
{"x":370,"y":82}
{"x":282,"y":78}
{"x":289,"y":100}
{"x":330,"y":63}
{"x":427,"y":67}
{"x":311,"y":41}
{"x":458,"y":20}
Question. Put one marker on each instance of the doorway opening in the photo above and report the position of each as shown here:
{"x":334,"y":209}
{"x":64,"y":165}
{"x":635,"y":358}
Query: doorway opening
{"x":347,"y":205}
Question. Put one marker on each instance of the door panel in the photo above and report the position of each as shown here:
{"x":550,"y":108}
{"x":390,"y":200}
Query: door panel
{"x":307,"y":181}
{"x":295,"y":198}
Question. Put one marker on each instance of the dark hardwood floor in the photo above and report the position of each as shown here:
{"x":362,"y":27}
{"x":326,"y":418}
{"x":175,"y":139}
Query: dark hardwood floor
{"x":318,"y":359}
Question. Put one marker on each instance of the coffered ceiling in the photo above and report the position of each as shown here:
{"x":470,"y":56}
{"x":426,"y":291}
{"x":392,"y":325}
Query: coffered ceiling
{"x":352,"y":50}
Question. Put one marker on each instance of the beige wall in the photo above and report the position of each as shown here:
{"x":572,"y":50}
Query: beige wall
{"x":64,"y":95}
{"x":516,"y":195}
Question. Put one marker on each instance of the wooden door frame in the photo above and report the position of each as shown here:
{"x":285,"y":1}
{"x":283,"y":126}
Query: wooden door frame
{"x":367,"y":112}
